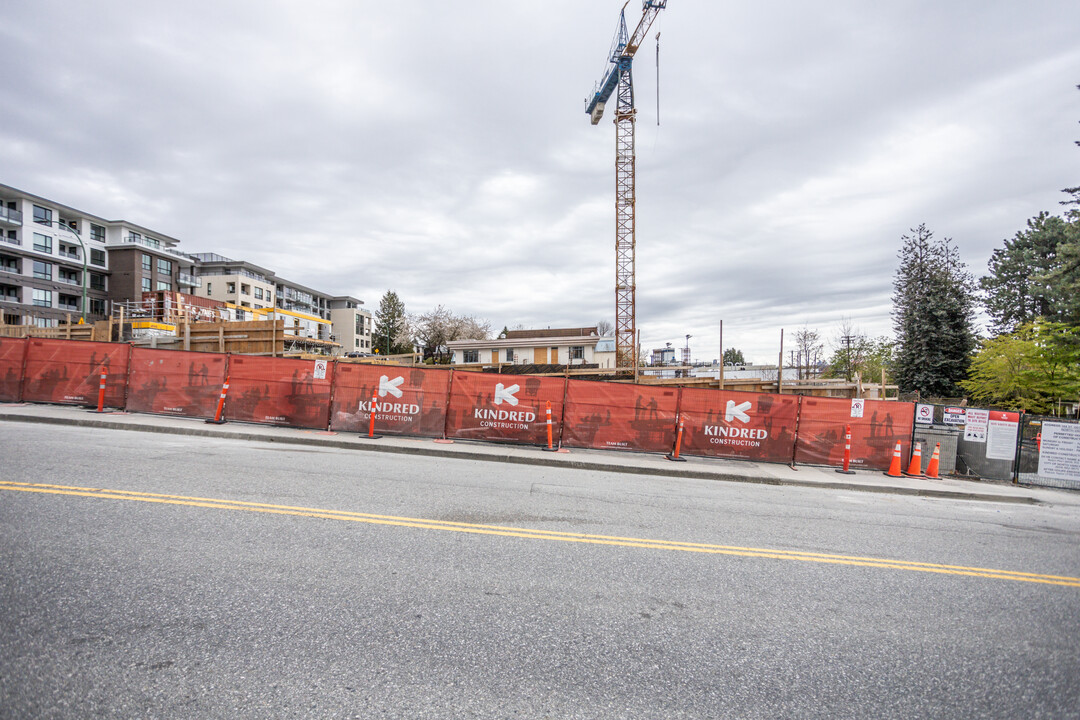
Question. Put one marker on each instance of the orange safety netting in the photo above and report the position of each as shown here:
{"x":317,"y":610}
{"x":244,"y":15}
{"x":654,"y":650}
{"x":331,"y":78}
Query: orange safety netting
{"x":175,"y":382}
{"x":11,"y":361}
{"x":616,"y":416}
{"x":874,"y":435}
{"x":486,"y":406}
{"x":407,"y":401}
{"x":69,"y":371}
{"x":279,"y":391}
{"x":726,"y":423}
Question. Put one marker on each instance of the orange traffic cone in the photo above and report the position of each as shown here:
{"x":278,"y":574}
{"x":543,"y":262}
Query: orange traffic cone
{"x":915,"y":466}
{"x":932,"y":466}
{"x":894,"y":468}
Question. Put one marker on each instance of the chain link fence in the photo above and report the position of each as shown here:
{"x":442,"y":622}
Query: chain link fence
{"x":1049,"y":452}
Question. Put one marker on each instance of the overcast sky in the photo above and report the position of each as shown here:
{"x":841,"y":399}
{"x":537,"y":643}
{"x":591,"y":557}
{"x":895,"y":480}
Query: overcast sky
{"x":441,"y":149}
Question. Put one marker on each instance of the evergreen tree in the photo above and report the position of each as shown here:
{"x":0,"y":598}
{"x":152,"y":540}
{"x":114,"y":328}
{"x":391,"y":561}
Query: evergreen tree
{"x":1064,"y":277}
{"x":933,"y":315}
{"x":1016,"y":291}
{"x":392,"y":334}
{"x":734,"y":356}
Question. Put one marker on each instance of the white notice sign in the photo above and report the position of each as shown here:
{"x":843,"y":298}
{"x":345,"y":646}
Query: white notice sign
{"x":924,"y":413}
{"x":320,"y":369}
{"x":975,"y":427}
{"x":1001,"y":432}
{"x":857,"y":406}
{"x":1059,"y":456}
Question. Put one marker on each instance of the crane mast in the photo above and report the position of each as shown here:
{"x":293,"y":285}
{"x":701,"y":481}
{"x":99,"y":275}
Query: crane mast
{"x":618,"y":80}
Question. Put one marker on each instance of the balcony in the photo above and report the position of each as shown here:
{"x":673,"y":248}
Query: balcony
{"x":13,"y":217}
{"x":69,"y":254}
{"x":184,"y":278}
{"x":13,"y":241}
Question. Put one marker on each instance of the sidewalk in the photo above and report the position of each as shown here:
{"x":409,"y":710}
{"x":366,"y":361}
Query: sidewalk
{"x":596,"y":460}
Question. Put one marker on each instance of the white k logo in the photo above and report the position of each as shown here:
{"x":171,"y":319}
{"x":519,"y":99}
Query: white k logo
{"x":506,"y":394}
{"x":737,"y":411}
{"x":386,"y":385}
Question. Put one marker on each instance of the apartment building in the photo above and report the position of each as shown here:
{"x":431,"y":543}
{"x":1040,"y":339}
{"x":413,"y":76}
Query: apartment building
{"x":53,"y":261}
{"x":246,"y":285}
{"x":352,"y":324}
{"x":57,"y":262}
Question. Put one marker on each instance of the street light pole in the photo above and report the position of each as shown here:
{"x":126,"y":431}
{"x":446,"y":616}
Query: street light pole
{"x":82,"y":247}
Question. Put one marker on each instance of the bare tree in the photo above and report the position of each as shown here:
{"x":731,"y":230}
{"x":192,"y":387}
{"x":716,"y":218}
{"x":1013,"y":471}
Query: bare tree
{"x":604,"y":328}
{"x":437,"y":327}
{"x":809,"y":346}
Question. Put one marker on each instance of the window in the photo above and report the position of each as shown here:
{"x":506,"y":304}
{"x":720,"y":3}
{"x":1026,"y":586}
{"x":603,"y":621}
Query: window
{"x":146,"y":284}
{"x":13,"y":237}
{"x":97,"y":282}
{"x":208,"y":289}
{"x":509,"y":354}
{"x":245,"y":289}
{"x":9,"y":264}
{"x":97,"y":306}
{"x":42,"y":216}
{"x":166,"y":286}
{"x":230,"y":288}
{"x":470,"y":356}
{"x":577,"y":352}
{"x":42,"y":271}
{"x":97,"y":257}
{"x":134,"y":237}
{"x":164,"y":267}
{"x":42,"y":243}
{"x":43,"y":298}
{"x":97,"y":233}
{"x":258,"y":293}
{"x":69,"y":276}
{"x":68,"y":302}
{"x":146,"y":262}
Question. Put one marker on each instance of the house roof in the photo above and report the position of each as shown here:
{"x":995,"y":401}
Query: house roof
{"x":551,"y":333}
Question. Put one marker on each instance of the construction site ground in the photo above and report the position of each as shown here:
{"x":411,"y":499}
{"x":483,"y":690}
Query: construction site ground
{"x":805,"y":476}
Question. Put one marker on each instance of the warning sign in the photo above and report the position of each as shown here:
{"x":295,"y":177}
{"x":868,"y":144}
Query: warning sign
{"x":924,"y":413}
{"x":1059,"y":455}
{"x":320,"y":370}
{"x":857,"y":407}
{"x":954,"y":416}
{"x":976,"y":425}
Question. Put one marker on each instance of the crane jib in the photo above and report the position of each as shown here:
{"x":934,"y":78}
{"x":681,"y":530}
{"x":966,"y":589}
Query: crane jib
{"x":623,"y":57}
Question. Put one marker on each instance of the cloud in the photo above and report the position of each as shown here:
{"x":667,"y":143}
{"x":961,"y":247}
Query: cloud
{"x":442,"y":150}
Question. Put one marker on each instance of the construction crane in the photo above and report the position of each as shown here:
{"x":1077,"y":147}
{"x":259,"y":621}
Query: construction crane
{"x":619,"y":76}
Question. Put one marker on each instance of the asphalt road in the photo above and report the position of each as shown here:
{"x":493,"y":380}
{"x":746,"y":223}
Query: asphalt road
{"x":219,"y":578}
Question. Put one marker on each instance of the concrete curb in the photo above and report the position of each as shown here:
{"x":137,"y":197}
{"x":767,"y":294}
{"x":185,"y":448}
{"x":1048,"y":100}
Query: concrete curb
{"x":463,"y":453}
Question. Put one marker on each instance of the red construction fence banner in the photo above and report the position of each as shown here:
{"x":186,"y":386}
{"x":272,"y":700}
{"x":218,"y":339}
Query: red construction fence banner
{"x":876,"y":427}
{"x":619,"y":416}
{"x":11,"y":360}
{"x":175,"y":382}
{"x":746,"y":425}
{"x":508,"y":408}
{"x":432,"y":402}
{"x":69,"y":372}
{"x":279,"y":391}
{"x":410,"y":401}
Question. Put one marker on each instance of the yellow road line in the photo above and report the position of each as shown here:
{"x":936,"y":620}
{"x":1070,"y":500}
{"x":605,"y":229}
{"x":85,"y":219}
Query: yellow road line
{"x":531,"y":534}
